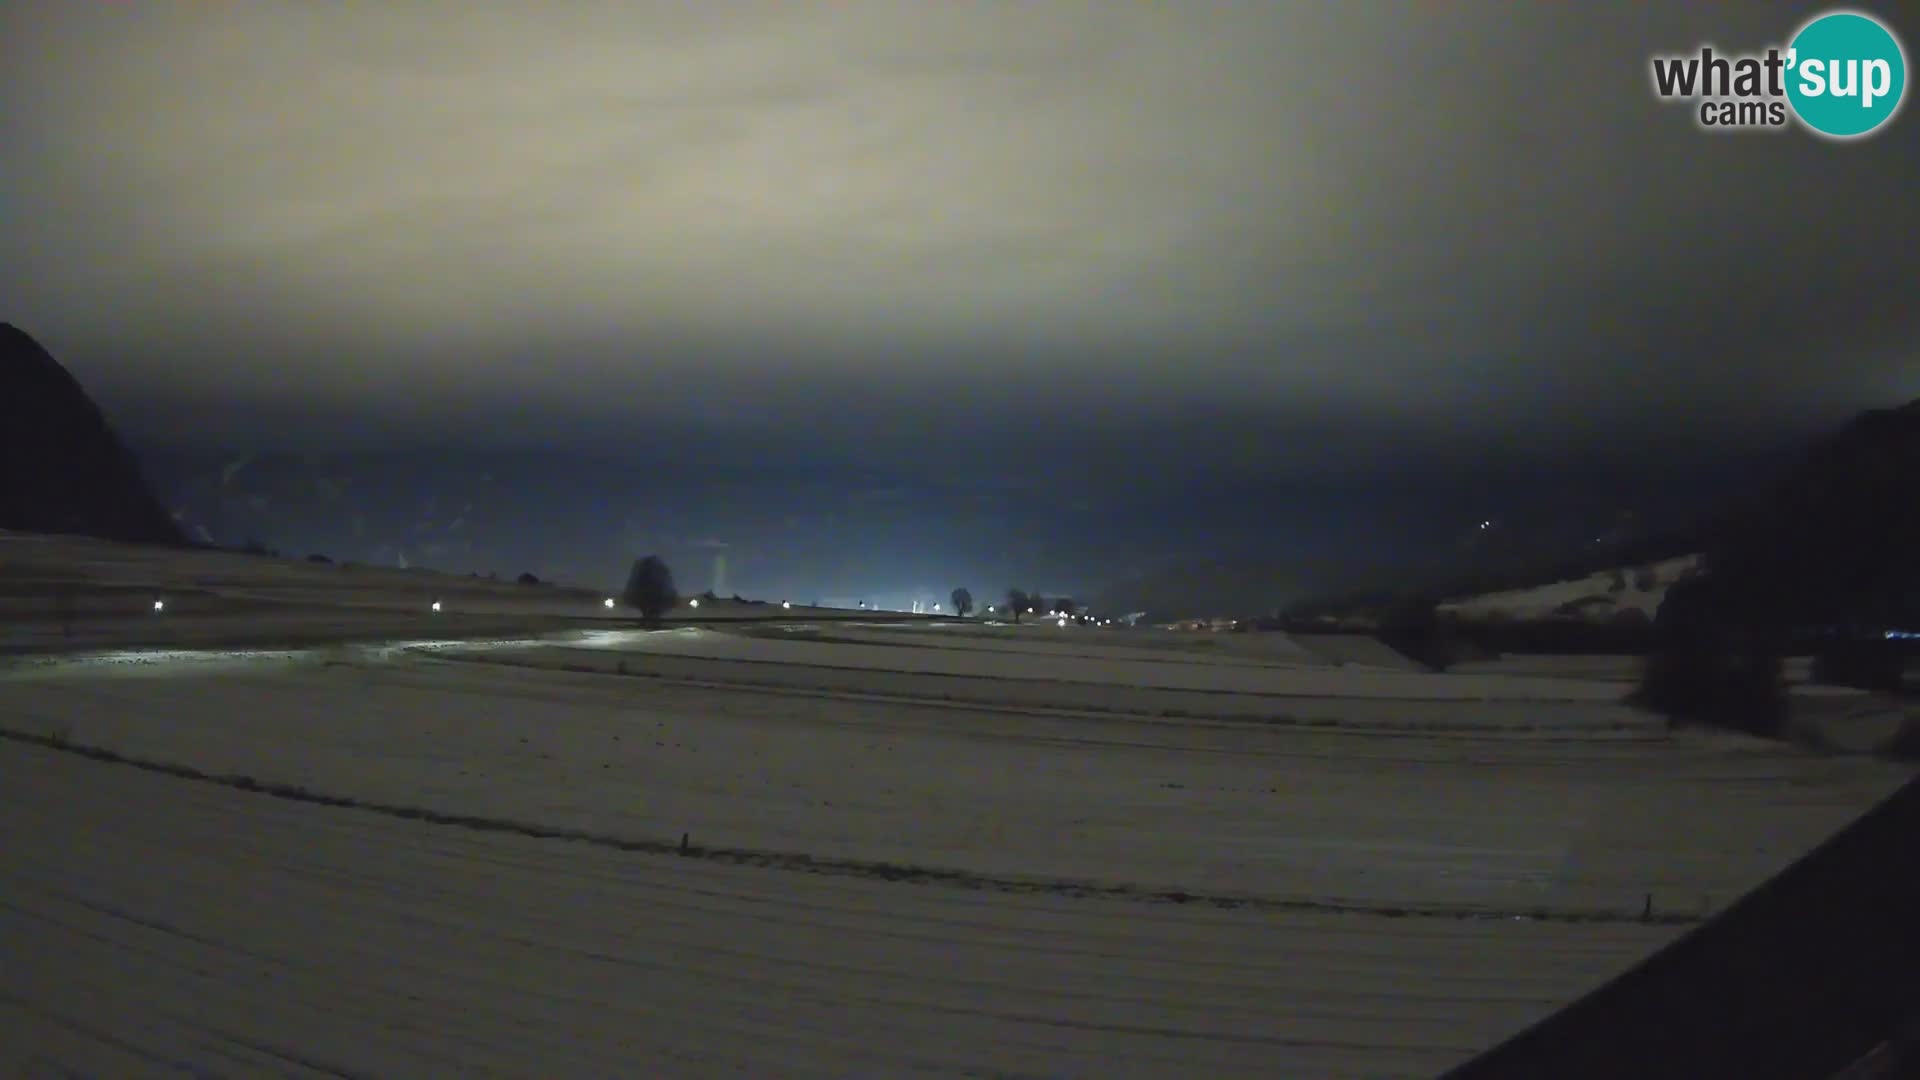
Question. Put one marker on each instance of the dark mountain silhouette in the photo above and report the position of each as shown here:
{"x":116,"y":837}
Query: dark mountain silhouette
{"x":399,"y":507}
{"x":1230,"y":588}
{"x":1506,"y":557}
{"x":1837,"y":539}
{"x":1827,"y":558}
{"x":62,"y":469}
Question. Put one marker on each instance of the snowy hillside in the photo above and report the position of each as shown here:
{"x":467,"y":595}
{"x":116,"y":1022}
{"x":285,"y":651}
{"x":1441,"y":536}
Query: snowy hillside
{"x":1597,"y":597}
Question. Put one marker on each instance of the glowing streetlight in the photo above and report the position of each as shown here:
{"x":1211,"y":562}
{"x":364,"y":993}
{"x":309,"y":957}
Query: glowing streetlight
{"x":694,"y":602}
{"x":788,"y":604}
{"x":436,"y":605}
{"x":609,"y":602}
{"x":159,"y":605}
{"x":936,"y":607}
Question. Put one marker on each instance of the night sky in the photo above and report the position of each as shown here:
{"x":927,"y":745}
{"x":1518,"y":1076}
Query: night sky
{"x":892,"y":297}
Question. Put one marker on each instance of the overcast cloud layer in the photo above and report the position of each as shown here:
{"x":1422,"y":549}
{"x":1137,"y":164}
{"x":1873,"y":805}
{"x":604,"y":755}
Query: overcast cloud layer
{"x":1464,"y":223}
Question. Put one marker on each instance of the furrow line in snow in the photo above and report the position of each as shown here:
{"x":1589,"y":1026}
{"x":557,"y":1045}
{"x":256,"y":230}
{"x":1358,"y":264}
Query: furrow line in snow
{"x":804,"y":862}
{"x":1578,"y":731}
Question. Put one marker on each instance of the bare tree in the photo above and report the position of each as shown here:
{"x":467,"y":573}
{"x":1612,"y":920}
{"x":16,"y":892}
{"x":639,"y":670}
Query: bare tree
{"x":1017,"y":602}
{"x":962,"y":602}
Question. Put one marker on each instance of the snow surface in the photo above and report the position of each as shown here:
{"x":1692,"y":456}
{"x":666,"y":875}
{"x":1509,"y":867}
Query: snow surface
{"x":199,"y":930}
{"x":1594,"y":595}
{"x":1496,"y":824}
{"x":64,"y":593}
{"x":1099,"y":667}
{"x":951,"y":850}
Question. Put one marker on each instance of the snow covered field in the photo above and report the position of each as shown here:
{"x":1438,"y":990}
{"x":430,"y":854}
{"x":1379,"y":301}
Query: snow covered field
{"x":200,"y":931}
{"x":950,"y":850}
{"x":65,"y":593}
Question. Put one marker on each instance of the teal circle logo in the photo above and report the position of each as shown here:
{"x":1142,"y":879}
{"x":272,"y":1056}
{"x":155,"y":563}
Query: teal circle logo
{"x":1846,"y":74}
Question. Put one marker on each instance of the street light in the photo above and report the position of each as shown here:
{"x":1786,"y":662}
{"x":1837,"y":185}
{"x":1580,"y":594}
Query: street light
{"x":609,"y":602}
{"x":436,"y":605}
{"x":159,"y":605}
{"x":695,"y":602}
{"x":786,"y":604}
